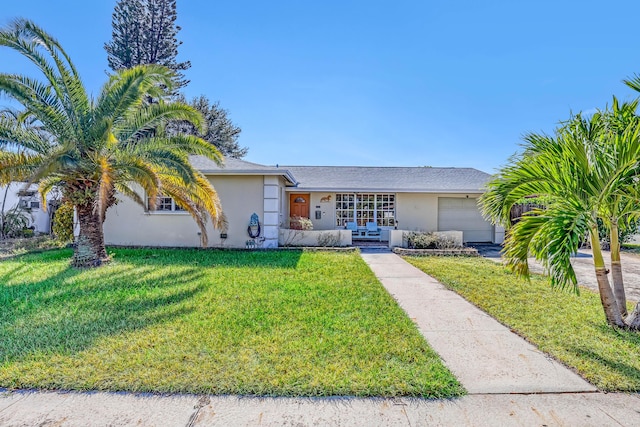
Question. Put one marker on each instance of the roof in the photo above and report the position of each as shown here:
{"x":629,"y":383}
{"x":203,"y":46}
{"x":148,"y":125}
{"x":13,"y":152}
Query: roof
{"x":391,"y":179}
{"x":357,"y":178}
{"x":233,"y":166}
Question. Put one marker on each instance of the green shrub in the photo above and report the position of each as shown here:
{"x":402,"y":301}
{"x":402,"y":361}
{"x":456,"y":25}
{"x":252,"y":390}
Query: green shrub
{"x":63,"y":222}
{"x":14,"y":222}
{"x":418,"y":240}
{"x":27,"y":232}
{"x":422,"y":240}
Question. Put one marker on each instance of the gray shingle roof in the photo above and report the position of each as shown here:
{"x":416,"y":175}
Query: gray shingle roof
{"x":230,"y":164}
{"x":358,"y":178}
{"x":237,"y":167}
{"x":409,"y":179}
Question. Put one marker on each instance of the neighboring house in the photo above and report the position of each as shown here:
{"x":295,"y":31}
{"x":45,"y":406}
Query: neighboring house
{"x":27,"y":199}
{"x":404,"y":198}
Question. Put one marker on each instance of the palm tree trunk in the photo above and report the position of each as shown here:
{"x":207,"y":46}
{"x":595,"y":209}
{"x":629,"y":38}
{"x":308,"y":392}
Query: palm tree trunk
{"x":89,"y":250}
{"x":611,"y":311}
{"x":633,"y":320}
{"x":616,"y":270}
{"x":4,"y":202}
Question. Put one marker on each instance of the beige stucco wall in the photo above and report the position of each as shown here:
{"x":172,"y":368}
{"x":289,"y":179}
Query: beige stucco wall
{"x":327,"y":210}
{"x":314,"y":237}
{"x":417,"y":211}
{"x":128,"y":224}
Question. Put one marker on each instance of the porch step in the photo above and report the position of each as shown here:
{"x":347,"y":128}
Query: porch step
{"x":371,"y":245}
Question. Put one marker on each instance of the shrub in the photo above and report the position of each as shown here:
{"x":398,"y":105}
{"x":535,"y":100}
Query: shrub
{"x":27,"y":232}
{"x":422,"y":240}
{"x":299,"y":223}
{"x":63,"y":222}
{"x":14,"y":222}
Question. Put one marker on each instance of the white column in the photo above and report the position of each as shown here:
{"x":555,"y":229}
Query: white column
{"x":271,"y":219}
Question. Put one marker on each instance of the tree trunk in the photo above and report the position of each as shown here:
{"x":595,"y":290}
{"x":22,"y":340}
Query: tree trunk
{"x":633,"y":320}
{"x":89,"y":250}
{"x":611,"y":311}
{"x":616,"y":270}
{"x":4,"y":202}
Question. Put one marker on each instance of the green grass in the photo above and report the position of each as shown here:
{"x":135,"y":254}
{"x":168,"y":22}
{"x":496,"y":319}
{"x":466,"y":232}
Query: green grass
{"x":287,"y":323}
{"x":631,"y":248}
{"x":19,"y":246}
{"x":568,"y":326}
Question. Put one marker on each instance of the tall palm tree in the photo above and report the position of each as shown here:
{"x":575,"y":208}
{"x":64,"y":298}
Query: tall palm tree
{"x":621,"y":209}
{"x":92,"y":148}
{"x":586,"y":171}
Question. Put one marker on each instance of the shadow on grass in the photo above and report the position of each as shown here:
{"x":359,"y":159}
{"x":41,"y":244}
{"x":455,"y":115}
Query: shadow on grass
{"x":208,"y":257}
{"x":613,"y":362}
{"x":50,"y":307}
{"x":66,"y":311}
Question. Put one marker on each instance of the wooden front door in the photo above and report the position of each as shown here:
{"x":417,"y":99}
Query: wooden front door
{"x":298,"y":207}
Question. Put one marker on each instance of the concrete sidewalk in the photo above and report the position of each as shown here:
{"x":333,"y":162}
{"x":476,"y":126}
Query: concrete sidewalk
{"x":121,"y":409}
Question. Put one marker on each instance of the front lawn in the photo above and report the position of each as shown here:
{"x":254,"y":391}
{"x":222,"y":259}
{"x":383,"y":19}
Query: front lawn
{"x":288,"y":323}
{"x":570,"y":327}
{"x":632,"y":248}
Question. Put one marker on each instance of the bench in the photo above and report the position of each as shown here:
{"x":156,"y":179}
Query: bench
{"x":371,"y":231}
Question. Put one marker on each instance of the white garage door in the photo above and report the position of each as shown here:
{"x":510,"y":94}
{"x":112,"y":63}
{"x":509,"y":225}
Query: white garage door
{"x":463,"y":215}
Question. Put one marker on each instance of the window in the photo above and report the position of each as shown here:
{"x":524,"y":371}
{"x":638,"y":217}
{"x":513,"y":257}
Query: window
{"x":28,"y":204}
{"x":167,"y":204}
{"x":344,"y":209}
{"x":363,"y":208}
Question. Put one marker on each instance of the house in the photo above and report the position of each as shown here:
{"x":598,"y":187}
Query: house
{"x":395,"y":198}
{"x":25,"y":198}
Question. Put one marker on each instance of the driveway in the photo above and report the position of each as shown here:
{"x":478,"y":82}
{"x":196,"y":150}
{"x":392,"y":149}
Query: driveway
{"x":583,"y":265}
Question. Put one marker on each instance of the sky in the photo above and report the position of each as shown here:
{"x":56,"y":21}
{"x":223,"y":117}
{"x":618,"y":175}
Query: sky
{"x":377,"y":83}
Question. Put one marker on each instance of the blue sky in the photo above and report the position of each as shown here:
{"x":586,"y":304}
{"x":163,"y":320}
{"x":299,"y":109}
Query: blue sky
{"x":403,"y":83}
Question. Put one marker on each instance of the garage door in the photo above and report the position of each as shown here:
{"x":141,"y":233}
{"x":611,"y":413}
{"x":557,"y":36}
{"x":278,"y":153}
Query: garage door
{"x":463,"y":215}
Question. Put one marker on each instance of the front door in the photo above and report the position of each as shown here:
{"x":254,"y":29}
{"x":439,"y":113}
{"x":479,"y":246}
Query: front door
{"x":298,"y":207}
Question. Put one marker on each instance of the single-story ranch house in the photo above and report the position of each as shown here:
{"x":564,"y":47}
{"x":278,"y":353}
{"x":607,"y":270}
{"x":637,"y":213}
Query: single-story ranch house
{"x":342,"y":198}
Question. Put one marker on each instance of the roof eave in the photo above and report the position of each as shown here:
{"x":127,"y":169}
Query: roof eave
{"x":284,"y":173}
{"x":385,"y":190}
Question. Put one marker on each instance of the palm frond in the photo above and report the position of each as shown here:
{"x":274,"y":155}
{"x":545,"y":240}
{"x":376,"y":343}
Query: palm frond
{"x":18,"y":166}
{"x":139,"y":122}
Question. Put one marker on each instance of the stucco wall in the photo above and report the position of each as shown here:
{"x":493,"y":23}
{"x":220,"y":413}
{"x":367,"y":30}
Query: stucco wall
{"x":314,"y":237}
{"x":417,"y":211}
{"x":128,"y":224}
{"x":327,"y":209}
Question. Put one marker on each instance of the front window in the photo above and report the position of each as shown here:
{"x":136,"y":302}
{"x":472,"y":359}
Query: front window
{"x":366,"y":207}
{"x":167,"y":204}
{"x":344,"y":209}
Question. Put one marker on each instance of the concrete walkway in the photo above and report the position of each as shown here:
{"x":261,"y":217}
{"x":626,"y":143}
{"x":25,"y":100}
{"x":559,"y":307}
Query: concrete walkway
{"x":488,"y":359}
{"x":483,"y":354}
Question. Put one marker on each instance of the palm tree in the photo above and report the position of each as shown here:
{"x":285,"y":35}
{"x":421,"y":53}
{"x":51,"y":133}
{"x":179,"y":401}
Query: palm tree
{"x":620,"y":209}
{"x":92,"y":148}
{"x":586,"y":171}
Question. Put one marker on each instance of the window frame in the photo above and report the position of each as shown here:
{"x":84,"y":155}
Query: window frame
{"x":173,"y":207}
{"x":366,"y":207}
